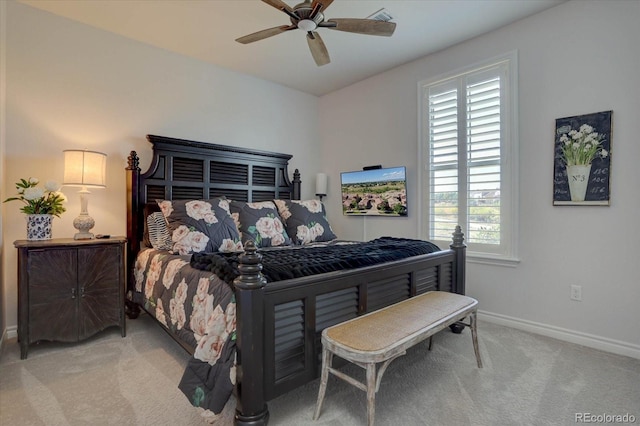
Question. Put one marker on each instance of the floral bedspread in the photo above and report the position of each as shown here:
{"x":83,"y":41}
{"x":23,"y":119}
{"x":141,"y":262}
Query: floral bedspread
{"x":200,"y":309}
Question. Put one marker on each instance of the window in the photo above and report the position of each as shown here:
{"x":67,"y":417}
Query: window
{"x":468,"y":150}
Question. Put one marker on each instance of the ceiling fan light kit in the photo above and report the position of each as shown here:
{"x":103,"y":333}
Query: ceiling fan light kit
{"x":308,"y":16}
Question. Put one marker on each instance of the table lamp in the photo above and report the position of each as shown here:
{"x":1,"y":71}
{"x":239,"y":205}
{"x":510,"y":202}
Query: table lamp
{"x":86,"y":169}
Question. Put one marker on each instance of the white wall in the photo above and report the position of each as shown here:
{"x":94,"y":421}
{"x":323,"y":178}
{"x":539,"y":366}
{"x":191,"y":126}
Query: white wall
{"x":72,"y":86}
{"x":3,"y":56}
{"x":577,"y":58}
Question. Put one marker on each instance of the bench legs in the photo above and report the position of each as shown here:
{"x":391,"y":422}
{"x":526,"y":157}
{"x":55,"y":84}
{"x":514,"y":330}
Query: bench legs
{"x":373,"y":379}
{"x":371,"y":392}
{"x":327,"y":359}
{"x":372,"y":386}
{"x":473,"y":326}
{"x":474,"y":336}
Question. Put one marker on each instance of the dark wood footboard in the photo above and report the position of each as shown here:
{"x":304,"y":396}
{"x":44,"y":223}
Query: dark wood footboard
{"x":280,"y":324}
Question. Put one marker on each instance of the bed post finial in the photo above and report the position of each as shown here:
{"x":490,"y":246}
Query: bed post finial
{"x":297,"y":183}
{"x":458,"y":237}
{"x":133,"y":161}
{"x":251,"y":408}
{"x":459,"y":248}
{"x":250,"y":268}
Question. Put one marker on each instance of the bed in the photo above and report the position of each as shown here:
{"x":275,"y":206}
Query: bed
{"x":270,"y":327}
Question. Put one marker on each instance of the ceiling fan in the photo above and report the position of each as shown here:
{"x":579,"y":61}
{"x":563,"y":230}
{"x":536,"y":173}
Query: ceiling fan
{"x":308,"y":16}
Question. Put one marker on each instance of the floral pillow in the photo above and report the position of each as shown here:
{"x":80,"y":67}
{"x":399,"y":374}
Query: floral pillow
{"x":306,"y":221}
{"x":259,"y":222}
{"x":201,"y":225}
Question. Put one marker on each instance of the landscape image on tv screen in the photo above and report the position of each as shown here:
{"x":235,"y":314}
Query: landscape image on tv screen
{"x":377,"y":192}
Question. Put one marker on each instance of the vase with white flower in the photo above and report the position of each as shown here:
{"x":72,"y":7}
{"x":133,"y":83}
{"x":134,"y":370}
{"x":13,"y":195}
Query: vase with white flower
{"x":40,"y":206}
{"x":578,"y":149}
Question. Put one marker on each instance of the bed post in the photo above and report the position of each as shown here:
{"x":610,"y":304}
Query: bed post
{"x":133,"y":243}
{"x":459,"y":248}
{"x":295,"y":195}
{"x":251,"y":406}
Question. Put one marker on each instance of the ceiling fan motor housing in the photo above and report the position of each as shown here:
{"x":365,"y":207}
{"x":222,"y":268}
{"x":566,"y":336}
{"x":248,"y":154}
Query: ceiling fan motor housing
{"x":306,"y":22}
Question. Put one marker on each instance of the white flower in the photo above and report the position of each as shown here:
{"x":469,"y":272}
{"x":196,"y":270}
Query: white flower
{"x":33,"y":193}
{"x":198,"y":210}
{"x":581,"y":146}
{"x":181,"y":232}
{"x":33,"y":180}
{"x":266,"y":227}
{"x":166,"y":207}
{"x":314,"y":206}
{"x":51,"y":186}
{"x":585,"y":128}
{"x":230,"y":246}
{"x":224,"y":204}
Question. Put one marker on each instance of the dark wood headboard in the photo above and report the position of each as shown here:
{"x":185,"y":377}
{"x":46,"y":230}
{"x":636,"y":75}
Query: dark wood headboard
{"x":184,"y":169}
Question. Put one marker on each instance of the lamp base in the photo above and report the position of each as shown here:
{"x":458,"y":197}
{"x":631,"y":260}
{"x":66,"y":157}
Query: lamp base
{"x":83,"y":224}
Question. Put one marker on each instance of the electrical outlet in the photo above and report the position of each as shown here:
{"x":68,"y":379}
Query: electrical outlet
{"x":576,"y":293}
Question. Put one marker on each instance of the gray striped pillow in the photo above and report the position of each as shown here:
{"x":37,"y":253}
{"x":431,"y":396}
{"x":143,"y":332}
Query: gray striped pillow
{"x":159,"y":235}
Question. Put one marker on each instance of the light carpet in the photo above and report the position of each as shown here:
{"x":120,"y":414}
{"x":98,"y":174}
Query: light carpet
{"x":527,"y":379}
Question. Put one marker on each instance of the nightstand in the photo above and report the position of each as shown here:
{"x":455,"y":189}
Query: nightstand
{"x":69,"y":290}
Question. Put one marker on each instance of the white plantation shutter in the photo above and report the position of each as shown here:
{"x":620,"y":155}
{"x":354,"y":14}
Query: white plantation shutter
{"x":466,"y":142}
{"x":443,"y":156}
{"x":483,"y":159}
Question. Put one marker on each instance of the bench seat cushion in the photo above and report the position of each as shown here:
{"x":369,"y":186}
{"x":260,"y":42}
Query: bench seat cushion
{"x":390,"y":327}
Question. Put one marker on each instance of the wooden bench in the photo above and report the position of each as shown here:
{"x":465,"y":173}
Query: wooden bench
{"x":384,"y":335}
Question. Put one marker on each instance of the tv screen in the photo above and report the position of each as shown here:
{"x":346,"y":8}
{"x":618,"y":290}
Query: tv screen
{"x":377,"y":192}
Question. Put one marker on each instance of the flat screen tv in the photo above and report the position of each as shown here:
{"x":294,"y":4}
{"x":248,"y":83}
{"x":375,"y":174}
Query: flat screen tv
{"x":374,"y":192}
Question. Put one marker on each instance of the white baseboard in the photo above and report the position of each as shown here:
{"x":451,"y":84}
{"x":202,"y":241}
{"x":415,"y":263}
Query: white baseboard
{"x":572,"y":336}
{"x":8,"y":334}
{"x":11,"y":332}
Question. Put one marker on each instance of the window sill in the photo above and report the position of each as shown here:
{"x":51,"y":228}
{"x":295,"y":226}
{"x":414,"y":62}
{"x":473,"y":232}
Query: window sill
{"x":494,"y":260}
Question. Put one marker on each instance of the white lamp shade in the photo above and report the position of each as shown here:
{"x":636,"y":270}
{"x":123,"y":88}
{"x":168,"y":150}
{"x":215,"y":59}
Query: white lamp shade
{"x":85,"y":168}
{"x":321,"y":184}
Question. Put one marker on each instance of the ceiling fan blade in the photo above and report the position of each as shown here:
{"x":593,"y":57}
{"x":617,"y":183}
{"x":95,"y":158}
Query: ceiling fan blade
{"x":319,"y":5}
{"x":318,"y":49}
{"x":361,"y":26}
{"x":265,"y":33}
{"x":280,"y":5}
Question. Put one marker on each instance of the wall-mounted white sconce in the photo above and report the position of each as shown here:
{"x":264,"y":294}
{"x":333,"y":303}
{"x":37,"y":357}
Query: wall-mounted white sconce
{"x":321,"y":185}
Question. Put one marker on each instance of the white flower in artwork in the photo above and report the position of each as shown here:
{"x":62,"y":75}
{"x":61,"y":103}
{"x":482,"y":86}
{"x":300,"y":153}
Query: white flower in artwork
{"x":580,"y":147}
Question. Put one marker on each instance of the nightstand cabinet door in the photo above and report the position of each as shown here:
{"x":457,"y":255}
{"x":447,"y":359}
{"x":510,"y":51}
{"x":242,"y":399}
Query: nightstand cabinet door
{"x":99,"y":279}
{"x":53,"y":307}
{"x":69,"y":290}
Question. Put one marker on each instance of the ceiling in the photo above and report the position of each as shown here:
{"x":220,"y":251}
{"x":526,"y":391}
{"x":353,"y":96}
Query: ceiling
{"x":207,"y":29}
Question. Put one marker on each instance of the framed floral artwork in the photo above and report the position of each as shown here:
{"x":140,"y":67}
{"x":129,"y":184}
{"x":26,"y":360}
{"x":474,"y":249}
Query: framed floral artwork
{"x":582,"y":162}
